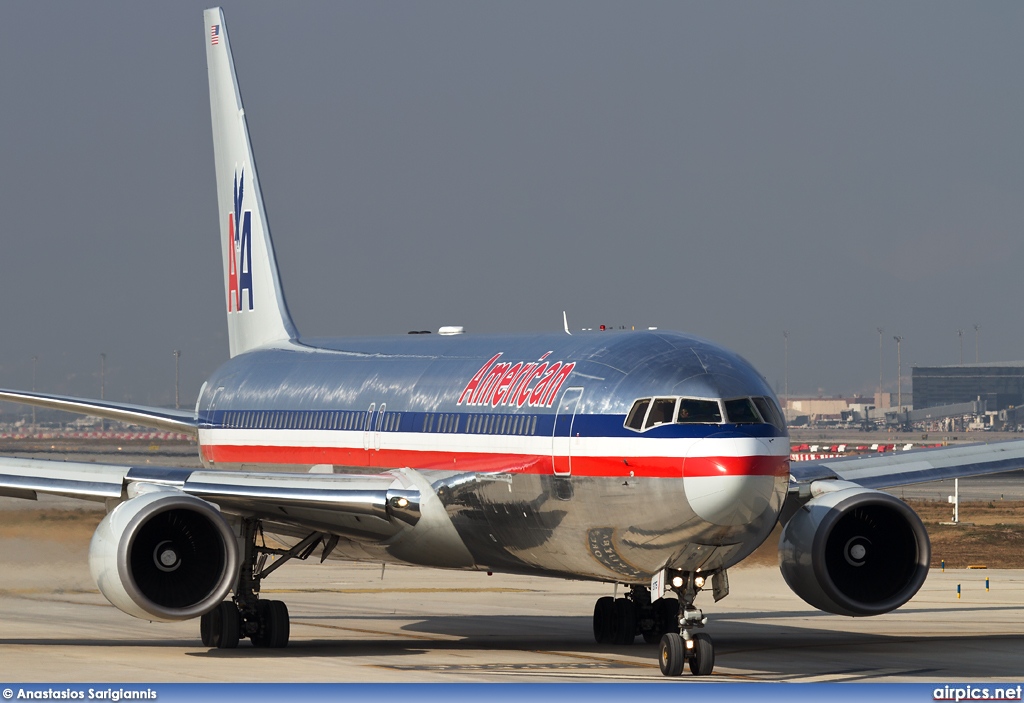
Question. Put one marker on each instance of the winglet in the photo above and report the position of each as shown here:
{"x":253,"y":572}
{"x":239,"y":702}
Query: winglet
{"x":256,"y":309}
{"x":565,"y":323}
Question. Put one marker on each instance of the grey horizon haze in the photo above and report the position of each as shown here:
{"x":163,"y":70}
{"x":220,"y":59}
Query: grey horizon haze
{"x":731,"y":170}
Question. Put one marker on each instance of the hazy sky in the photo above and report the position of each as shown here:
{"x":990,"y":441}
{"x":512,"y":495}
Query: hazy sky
{"x":730,"y":169}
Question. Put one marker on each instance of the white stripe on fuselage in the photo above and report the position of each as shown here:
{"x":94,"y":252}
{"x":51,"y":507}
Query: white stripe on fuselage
{"x":498,"y":444}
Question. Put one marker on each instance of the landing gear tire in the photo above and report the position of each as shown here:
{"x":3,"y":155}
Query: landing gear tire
{"x":221,"y":626}
{"x":604,"y":620}
{"x":702,"y":658}
{"x":665,"y":615}
{"x":670,"y":656}
{"x":206,"y":630}
{"x":624,"y":621}
{"x":274,"y":626}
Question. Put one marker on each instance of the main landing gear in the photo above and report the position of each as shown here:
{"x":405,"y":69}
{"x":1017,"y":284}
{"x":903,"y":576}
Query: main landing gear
{"x":669,"y":621}
{"x":264,"y":622}
{"x":620,"y":620}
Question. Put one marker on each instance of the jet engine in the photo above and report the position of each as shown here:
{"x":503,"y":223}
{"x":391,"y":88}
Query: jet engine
{"x":164,"y":555}
{"x":854,"y":551}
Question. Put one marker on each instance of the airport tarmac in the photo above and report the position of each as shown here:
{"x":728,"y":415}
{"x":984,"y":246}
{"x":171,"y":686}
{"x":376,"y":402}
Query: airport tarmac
{"x":353,"y":623}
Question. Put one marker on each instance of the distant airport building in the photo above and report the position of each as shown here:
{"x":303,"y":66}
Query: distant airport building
{"x":1000,"y":385}
{"x":820,"y":410}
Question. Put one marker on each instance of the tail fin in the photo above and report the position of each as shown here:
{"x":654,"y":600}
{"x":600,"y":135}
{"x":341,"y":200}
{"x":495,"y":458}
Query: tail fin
{"x":256,"y":309}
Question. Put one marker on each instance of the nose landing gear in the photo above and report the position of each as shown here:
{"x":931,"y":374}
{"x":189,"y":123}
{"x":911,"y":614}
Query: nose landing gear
{"x":685,"y":646}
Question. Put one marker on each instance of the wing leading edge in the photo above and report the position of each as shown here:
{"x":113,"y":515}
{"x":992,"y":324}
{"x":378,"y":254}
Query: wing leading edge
{"x":891,"y":469}
{"x":375,"y":506}
{"x":183,"y":421}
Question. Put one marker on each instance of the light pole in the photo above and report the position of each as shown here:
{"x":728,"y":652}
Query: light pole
{"x":880,"y":330}
{"x":35,"y":361}
{"x":785,"y":407}
{"x":177,"y":355}
{"x":899,"y":373}
{"x":977,"y":328}
{"x":103,"y":386}
{"x":960,"y":334}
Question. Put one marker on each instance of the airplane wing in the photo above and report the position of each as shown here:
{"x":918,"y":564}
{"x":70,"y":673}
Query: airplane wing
{"x":161,"y":418}
{"x":374,"y":506}
{"x":918,"y":466}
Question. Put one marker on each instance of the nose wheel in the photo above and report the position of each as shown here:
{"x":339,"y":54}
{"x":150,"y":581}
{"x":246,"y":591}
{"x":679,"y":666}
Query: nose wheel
{"x":685,"y":647}
{"x":675,"y":652}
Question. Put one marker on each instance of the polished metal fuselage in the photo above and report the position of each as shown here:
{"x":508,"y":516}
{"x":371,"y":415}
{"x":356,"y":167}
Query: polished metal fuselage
{"x":531,"y":469}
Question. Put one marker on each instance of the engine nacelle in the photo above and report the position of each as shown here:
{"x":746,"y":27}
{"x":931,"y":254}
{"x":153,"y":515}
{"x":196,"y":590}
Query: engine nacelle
{"x":164,"y":555}
{"x":855,"y":551}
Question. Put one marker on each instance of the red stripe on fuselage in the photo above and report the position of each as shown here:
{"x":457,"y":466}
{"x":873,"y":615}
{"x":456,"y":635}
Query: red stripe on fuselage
{"x":651,"y":467}
{"x":697,"y":466}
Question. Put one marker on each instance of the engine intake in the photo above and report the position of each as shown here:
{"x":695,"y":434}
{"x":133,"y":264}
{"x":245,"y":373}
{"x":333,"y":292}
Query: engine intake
{"x":855,"y":551}
{"x":164,"y":555}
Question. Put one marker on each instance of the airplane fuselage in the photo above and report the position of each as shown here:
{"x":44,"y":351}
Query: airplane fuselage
{"x":536,"y":446}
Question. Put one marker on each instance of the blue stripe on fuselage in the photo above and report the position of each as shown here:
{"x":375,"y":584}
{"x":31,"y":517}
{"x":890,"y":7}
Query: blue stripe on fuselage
{"x":467,"y":423}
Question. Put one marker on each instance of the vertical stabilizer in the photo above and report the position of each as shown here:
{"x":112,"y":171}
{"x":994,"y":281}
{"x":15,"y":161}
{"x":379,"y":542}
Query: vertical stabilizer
{"x":256,"y":309}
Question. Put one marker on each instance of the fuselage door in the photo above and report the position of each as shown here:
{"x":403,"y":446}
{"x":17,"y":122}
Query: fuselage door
{"x":209,"y":415}
{"x":211,"y":409}
{"x":376,"y":430}
{"x":562,"y":436}
{"x":368,"y":426}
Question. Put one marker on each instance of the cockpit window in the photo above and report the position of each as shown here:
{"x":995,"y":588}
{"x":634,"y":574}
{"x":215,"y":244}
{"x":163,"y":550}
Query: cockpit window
{"x":635,"y":419}
{"x":652,"y":412}
{"x":770,"y":412}
{"x":741,"y":412}
{"x":693,"y":410}
{"x":662,"y":411}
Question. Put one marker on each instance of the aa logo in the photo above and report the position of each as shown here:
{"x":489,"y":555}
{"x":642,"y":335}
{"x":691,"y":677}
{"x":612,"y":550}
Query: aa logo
{"x":239,"y":249}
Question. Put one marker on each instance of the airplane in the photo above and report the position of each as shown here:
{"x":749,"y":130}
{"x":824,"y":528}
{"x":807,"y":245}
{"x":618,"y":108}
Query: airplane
{"x":650,"y":459}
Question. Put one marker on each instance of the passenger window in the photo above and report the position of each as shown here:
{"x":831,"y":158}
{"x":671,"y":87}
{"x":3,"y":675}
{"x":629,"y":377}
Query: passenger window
{"x":635,"y":418}
{"x":770,"y":412}
{"x":662,"y":411}
{"x":741,"y":412}
{"x":693,"y":410}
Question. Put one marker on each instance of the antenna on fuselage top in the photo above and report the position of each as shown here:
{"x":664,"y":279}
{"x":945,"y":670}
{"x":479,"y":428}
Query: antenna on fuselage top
{"x":565,"y":323}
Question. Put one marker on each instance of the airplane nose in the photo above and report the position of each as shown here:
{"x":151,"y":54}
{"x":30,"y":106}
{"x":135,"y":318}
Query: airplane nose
{"x":735,"y":480}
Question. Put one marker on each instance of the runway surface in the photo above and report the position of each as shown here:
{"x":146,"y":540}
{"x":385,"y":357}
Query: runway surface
{"x":351,"y":624}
